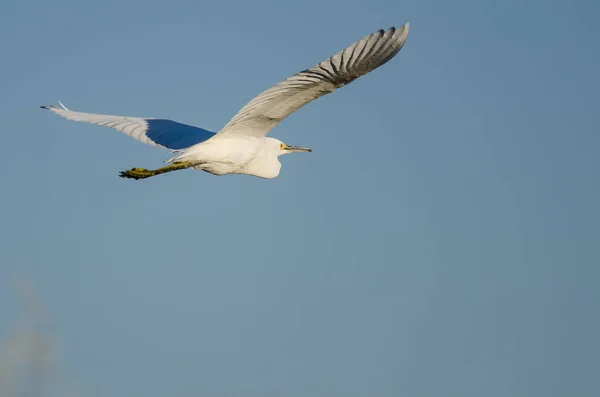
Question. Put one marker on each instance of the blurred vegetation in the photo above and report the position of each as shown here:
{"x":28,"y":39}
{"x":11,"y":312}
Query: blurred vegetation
{"x":28,"y":349}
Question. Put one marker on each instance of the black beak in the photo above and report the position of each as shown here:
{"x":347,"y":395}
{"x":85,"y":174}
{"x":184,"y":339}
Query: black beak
{"x":293,"y":149}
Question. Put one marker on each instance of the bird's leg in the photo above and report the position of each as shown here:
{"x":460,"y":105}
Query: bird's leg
{"x":142,"y":173}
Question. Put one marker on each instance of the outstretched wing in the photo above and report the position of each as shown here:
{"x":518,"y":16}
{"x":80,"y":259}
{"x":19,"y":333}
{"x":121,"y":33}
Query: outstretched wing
{"x":156,"y":132}
{"x":270,"y":107}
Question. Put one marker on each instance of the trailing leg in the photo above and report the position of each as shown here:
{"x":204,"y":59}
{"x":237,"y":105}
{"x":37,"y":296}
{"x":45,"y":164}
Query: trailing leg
{"x":143,"y":173}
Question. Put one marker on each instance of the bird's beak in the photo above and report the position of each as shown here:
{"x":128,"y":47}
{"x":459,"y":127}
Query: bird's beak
{"x":292,"y":149}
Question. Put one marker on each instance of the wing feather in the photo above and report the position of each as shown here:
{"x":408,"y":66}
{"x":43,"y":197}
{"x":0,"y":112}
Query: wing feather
{"x":273,"y":105}
{"x":156,"y":132}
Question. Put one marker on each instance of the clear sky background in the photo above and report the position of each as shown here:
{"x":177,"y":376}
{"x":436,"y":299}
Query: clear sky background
{"x":442,"y":239}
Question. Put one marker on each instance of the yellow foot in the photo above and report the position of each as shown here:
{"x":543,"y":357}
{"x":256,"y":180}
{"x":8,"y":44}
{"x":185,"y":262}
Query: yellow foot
{"x":141,"y":173}
{"x":137,"y":173}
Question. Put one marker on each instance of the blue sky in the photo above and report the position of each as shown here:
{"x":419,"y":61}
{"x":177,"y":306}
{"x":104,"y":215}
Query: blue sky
{"x":441,"y":239}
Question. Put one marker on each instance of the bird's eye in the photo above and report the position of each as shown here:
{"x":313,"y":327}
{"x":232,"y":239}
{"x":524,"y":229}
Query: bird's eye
{"x":282,"y":146}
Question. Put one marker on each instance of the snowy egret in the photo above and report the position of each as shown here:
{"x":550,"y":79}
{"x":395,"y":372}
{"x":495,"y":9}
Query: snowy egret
{"x":242,"y":147}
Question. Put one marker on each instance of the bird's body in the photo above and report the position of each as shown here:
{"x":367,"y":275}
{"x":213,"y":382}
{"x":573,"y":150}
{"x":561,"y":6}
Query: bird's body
{"x":245,"y":155}
{"x":242,"y":147}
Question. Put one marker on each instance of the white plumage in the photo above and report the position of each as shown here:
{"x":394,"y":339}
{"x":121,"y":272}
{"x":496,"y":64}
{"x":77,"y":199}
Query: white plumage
{"x":241,"y":146}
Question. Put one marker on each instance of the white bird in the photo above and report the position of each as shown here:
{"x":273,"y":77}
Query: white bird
{"x":241,"y":146}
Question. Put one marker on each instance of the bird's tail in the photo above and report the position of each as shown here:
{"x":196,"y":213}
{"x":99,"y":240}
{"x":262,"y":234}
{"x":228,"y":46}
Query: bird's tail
{"x":177,"y":154}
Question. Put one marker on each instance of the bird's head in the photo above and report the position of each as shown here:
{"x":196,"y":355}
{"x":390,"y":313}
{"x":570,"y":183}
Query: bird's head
{"x":281,"y":148}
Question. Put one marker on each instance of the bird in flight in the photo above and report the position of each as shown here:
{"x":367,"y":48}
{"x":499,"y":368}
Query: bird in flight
{"x":242,"y":145}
